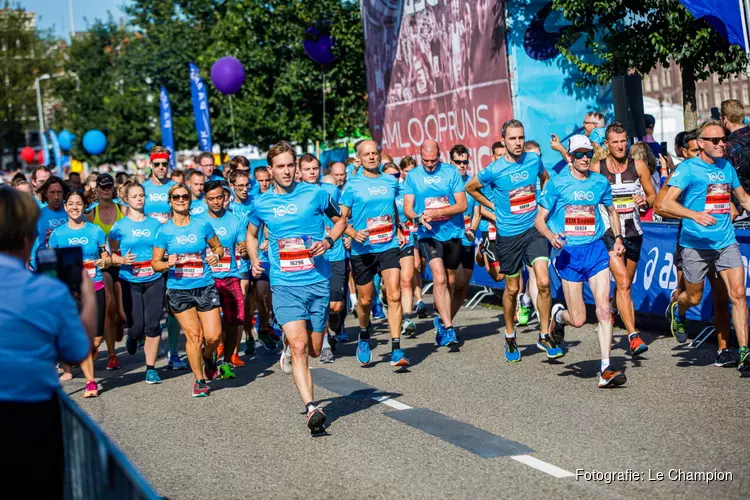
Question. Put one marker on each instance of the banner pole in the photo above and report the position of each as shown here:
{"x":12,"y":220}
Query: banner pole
{"x":324,"y":105}
{"x":231,"y":120}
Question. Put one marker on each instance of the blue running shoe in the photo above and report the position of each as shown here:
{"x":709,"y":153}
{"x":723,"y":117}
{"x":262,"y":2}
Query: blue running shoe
{"x":546,"y":344}
{"x":175,"y":363}
{"x":377,"y":311}
{"x":399,"y":359}
{"x":364,"y":354}
{"x":439,"y":331}
{"x":342,"y":337}
{"x":421,"y":310}
{"x":450,"y":338}
{"x":152,"y":377}
{"x":512,"y":354}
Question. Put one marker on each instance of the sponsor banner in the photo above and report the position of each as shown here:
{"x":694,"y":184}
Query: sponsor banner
{"x":436,"y":70}
{"x":199,"y":94}
{"x":165,"y":120}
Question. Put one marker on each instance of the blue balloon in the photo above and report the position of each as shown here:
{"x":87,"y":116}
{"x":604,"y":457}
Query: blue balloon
{"x":319,"y":45}
{"x":228,"y":75}
{"x":94,"y":142}
{"x":65,"y":138}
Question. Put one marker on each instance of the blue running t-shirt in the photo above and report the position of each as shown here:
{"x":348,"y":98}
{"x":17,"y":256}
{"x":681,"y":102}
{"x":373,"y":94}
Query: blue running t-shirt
{"x":471,"y":204}
{"x":572,"y":204}
{"x":198,"y":207}
{"x":436,"y":189}
{"x":514,"y":191}
{"x":231,"y":231}
{"x":157,"y":200}
{"x":189,"y":243}
{"x":90,"y":238}
{"x":706,"y":188}
{"x":137,"y":238}
{"x":295,"y":220}
{"x":337,"y":252}
{"x":372,"y":203}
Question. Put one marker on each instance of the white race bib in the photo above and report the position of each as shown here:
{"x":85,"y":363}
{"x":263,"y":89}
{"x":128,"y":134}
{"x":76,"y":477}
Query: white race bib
{"x":225,"y":263}
{"x":189,"y":265}
{"x":141,"y":269}
{"x":523,"y":199}
{"x":717,"y":199}
{"x":294,"y":256}
{"x":580,"y":220}
{"x":90,"y":268}
{"x":437,"y":202}
{"x":379,"y":229}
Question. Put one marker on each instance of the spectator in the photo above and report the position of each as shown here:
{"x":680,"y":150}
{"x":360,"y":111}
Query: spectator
{"x":594,"y":125}
{"x":650,"y":123}
{"x":498,"y":150}
{"x":75,"y":180}
{"x":40,"y":327}
{"x":642,"y":151}
{"x":533,"y":147}
{"x":738,"y":139}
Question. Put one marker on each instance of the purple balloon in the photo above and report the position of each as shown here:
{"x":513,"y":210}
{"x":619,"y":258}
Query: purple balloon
{"x":228,"y":75}
{"x":319,"y":47}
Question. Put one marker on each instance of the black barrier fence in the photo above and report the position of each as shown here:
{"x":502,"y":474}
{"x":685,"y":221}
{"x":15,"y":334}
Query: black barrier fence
{"x":95,"y":468}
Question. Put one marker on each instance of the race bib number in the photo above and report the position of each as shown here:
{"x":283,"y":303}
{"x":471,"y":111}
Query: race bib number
{"x":580,"y":220}
{"x":161,"y":216}
{"x":142,"y":269}
{"x":379,"y":229}
{"x":437,"y":202}
{"x":467,"y":223}
{"x":405,"y":231}
{"x":90,"y":268}
{"x":492,"y":231}
{"x":717,"y":199}
{"x":294,"y":256}
{"x":225,"y":263}
{"x":189,"y":265}
{"x":624,"y":204}
{"x":523,"y":199}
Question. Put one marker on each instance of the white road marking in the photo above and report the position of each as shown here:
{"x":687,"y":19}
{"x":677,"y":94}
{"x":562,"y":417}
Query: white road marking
{"x":392,"y":403}
{"x":542,"y":466}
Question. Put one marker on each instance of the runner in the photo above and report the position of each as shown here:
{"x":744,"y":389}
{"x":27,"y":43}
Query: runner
{"x":192,"y":296}
{"x":79,"y":233}
{"x":38,"y":177}
{"x":295,"y":215}
{"x":195,"y":180}
{"x":513,"y":181}
{"x":632,"y":193}
{"x":206,"y":164}
{"x":157,"y":206}
{"x":231,"y":230}
{"x":435,"y":200}
{"x":575,"y":228}
{"x":310,"y":168}
{"x":370,"y":198}
{"x":707,"y":235}
{"x":52,"y":214}
{"x":131,"y":241}
{"x":262,"y":288}
{"x":406,"y":165}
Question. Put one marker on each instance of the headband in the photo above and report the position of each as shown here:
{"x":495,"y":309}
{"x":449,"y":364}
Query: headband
{"x":159,"y":156}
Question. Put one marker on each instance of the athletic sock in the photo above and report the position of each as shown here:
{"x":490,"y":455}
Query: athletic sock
{"x":558,"y":317}
{"x":310,"y":406}
{"x":325,"y":342}
{"x":173,"y":332}
{"x":150,"y":367}
{"x":631,"y":335}
{"x":353,"y":299}
{"x":525,"y":300}
{"x":364,"y":334}
{"x":511,"y":336}
{"x":604,"y":365}
{"x":395,"y":344}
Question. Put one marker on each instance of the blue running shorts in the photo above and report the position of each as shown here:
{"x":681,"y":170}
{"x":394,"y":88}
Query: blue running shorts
{"x":308,"y":302}
{"x":582,"y":262}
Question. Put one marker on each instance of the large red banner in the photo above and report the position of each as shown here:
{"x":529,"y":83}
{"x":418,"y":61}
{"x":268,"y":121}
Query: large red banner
{"x":436,"y":69}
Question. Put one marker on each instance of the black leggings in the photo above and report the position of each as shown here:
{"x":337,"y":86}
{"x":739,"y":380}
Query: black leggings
{"x":101,"y":311}
{"x":143,"y":303}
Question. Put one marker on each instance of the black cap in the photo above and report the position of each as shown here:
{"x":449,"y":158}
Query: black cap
{"x":650,"y":121}
{"x":104,"y":181}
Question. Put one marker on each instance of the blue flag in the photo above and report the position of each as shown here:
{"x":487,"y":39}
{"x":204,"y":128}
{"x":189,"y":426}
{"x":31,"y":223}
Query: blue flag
{"x":56,"y":152}
{"x":165,"y":120}
{"x":200,"y":109}
{"x":725,"y":16}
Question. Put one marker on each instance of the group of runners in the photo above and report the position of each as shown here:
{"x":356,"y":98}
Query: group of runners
{"x":210,"y":250}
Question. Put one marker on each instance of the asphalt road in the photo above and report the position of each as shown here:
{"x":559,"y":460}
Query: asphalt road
{"x":457,"y":425}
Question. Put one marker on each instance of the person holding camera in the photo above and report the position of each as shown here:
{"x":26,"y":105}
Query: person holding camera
{"x":41,"y":325}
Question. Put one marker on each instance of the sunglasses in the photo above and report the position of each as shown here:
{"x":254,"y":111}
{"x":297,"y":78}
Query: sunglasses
{"x":578,"y":155}
{"x":591,"y":123}
{"x":715,"y":140}
{"x":461,"y":162}
{"x":160,"y":163}
{"x":183,"y":197}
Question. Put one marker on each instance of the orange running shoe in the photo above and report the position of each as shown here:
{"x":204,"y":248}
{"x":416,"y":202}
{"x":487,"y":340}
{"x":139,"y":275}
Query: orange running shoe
{"x":236,"y":361}
{"x":611,"y":378}
{"x":92,"y":390}
{"x":219,"y":351}
{"x":637,"y":345}
{"x":113,"y":364}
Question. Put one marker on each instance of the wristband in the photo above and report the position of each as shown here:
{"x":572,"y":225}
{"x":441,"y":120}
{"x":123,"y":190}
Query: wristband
{"x":330,"y":241}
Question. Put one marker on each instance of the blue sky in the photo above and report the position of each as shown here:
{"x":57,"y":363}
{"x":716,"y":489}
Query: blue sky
{"x":53,"y":14}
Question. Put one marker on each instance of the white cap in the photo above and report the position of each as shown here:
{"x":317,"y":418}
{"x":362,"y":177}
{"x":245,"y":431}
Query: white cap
{"x":579,"y":142}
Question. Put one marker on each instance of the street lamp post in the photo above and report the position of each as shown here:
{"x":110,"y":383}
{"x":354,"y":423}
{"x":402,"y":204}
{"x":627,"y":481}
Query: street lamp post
{"x":39,"y":108}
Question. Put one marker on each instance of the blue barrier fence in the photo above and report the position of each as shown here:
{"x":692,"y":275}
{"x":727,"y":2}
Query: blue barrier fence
{"x":95,"y":468}
{"x":655,"y":277}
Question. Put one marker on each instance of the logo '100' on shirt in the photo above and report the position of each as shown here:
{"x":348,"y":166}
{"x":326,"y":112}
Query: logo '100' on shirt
{"x":189,"y":244}
{"x":295,"y":221}
{"x":572,"y":204}
{"x":706,"y":188}
{"x":157,"y":200}
{"x":90,"y":238}
{"x":514,"y":192}
{"x":231,"y":231}
{"x":436,"y":189}
{"x":372,"y":203}
{"x":138,"y":239}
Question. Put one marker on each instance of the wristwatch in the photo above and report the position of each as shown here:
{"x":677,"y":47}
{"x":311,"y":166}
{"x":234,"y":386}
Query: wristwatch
{"x":330,"y":241}
{"x":418,"y":220}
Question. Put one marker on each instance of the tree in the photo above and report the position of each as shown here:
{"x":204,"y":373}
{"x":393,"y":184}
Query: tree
{"x":636,"y":36}
{"x":26,"y":53}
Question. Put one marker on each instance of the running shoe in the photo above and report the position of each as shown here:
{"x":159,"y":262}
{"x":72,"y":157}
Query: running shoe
{"x":637,"y":345}
{"x":524,"y":314}
{"x":152,"y":377}
{"x":548,"y":345}
{"x":131,"y":345}
{"x":326,"y":355}
{"x":450,"y":338}
{"x":558,"y":330}
{"x":364,"y":354}
{"x":210,"y":369}
{"x":439,"y":331}
{"x":285,"y":361}
{"x":268,"y":341}
{"x":611,"y":378}
{"x":678,"y":328}
{"x":377,"y":311}
{"x":175,"y":363}
{"x":408,"y":328}
{"x":725,"y":359}
{"x":250,"y":348}
{"x":236,"y":362}
{"x":219,"y":353}
{"x":342,"y":337}
{"x":113,"y":363}
{"x":399,"y":359}
{"x":200,"y":389}
{"x":744,"y":359}
{"x":91,"y":390}
{"x":421,"y":310}
{"x":316,"y":420}
{"x":512,"y":354}
{"x":225,"y":372}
